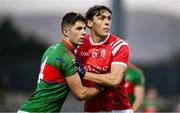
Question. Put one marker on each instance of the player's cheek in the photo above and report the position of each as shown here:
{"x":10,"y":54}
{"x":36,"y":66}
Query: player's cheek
{"x":75,"y":36}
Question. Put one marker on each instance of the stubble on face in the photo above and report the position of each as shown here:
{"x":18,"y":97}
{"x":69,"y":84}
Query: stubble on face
{"x":77,"y":33}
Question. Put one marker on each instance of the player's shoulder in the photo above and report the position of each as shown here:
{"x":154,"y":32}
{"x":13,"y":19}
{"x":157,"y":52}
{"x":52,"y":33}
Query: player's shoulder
{"x":58,"y":46}
{"x":57,"y":49}
{"x":115,"y":40}
{"x":115,"y":37}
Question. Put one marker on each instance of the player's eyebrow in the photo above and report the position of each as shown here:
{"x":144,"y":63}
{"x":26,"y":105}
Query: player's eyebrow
{"x":81,"y":27}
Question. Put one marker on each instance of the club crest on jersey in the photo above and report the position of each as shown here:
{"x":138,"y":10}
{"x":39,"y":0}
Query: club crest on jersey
{"x":103,"y":52}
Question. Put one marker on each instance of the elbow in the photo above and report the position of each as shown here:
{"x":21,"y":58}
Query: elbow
{"x":114,"y":81}
{"x":115,"y":84}
{"x":80,"y":97}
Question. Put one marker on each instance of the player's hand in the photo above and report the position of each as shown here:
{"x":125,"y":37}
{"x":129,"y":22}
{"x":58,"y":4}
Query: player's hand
{"x":100,"y":87}
{"x":80,"y":69}
{"x":81,"y":72}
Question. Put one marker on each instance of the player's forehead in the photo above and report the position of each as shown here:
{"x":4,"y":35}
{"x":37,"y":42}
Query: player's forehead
{"x":79,"y":24}
{"x":103,"y":12}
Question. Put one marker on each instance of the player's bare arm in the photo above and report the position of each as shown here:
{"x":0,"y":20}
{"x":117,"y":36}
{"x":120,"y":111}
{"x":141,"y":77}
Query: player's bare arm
{"x":139,"y":96}
{"x":81,"y":92}
{"x":111,"y":79}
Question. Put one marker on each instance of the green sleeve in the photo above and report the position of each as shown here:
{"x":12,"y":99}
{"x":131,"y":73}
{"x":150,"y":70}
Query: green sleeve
{"x":70,"y":67}
{"x":135,"y":75}
{"x":139,"y":77}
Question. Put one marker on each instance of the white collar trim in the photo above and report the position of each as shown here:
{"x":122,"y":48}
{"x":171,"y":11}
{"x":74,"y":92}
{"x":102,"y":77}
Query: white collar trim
{"x":99,"y":42}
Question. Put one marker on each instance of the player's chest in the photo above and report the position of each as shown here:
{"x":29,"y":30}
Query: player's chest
{"x":98,"y":55}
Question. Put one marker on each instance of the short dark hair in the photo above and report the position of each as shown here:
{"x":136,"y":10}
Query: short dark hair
{"x":96,"y":10}
{"x":71,"y":18}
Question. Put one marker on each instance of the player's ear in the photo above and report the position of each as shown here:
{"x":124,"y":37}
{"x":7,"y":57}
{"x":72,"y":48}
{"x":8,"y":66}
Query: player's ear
{"x":66,"y":32}
{"x":89,"y":23}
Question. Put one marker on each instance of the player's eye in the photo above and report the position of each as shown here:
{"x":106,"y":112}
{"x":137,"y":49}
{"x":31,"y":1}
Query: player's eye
{"x":79,"y":28}
{"x":109,"y":18}
{"x":102,"y":17}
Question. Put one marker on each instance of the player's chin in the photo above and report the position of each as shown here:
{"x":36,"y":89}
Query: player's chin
{"x":81,"y":42}
{"x":105,"y":33}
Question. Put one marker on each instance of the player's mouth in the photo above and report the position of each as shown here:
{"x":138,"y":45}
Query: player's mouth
{"x":81,"y":39}
{"x":107,"y":29}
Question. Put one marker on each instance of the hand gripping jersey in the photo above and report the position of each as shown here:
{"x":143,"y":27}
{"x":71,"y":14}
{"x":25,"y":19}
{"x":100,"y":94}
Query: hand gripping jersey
{"x":98,"y":58}
{"x":134,"y":77}
{"x":57,"y":63}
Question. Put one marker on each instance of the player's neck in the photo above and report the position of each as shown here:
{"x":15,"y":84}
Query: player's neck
{"x":95,"y":38}
{"x":68,"y":44}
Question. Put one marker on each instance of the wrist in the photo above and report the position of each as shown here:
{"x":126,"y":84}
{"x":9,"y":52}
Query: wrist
{"x":100,"y":87}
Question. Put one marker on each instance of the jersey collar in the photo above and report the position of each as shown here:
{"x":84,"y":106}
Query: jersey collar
{"x":68,"y":44}
{"x":102,"y":42}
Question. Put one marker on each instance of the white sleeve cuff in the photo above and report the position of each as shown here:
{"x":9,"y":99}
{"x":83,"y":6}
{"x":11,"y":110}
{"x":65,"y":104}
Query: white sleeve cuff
{"x":121,"y":63}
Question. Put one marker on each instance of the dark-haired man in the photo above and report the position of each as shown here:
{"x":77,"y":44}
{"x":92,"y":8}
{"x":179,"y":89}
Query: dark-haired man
{"x":106,"y":55}
{"x":59,"y":71}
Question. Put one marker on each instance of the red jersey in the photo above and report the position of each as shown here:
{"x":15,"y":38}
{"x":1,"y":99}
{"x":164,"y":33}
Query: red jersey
{"x":98,"y":58}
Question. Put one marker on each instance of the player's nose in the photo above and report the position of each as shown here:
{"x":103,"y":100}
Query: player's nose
{"x":83,"y":32}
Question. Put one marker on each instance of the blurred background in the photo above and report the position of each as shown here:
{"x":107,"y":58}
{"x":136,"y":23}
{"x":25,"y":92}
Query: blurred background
{"x":28,"y":27}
